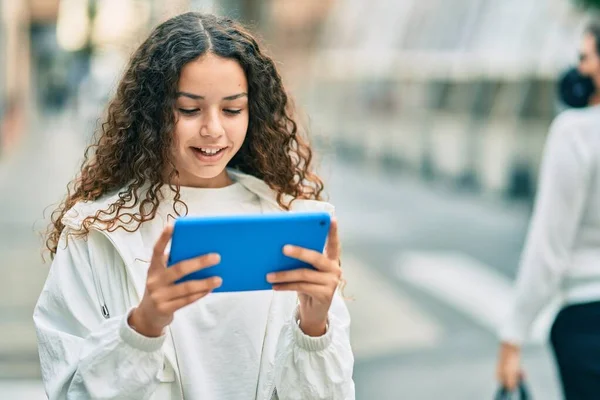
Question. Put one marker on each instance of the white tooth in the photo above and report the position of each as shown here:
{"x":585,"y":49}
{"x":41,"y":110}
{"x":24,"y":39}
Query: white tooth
{"x":210,"y":151}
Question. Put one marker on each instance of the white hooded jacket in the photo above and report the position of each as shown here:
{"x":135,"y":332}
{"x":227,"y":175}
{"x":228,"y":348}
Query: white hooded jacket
{"x":88,"y":351}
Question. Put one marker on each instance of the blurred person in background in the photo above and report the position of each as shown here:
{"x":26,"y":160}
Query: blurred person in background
{"x":561,"y":256}
{"x":200,"y":125}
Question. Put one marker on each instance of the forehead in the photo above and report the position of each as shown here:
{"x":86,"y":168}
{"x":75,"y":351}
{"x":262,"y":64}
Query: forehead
{"x":211,"y":73}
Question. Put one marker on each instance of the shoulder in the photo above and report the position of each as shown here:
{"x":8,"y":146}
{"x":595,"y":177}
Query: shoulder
{"x":75,"y":216}
{"x":574,"y":138}
{"x":312,"y":205}
{"x":577,"y":125}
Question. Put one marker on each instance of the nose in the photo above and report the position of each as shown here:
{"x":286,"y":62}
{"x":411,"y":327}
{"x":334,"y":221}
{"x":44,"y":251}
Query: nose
{"x":211,"y":125}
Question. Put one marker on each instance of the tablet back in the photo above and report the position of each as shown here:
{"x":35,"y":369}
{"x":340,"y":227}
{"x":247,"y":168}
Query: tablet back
{"x":250,"y":245}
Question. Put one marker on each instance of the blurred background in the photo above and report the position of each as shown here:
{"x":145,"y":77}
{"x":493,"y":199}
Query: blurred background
{"x":429,"y":117}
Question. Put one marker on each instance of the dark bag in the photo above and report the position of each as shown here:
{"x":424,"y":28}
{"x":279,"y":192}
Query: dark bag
{"x":522,"y":393}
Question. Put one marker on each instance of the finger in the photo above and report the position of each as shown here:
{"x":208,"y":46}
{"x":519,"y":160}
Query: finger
{"x":503,"y":374}
{"x":511,"y":380}
{"x":310,"y":289}
{"x":158,"y":261}
{"x":181,"y":302}
{"x":333,"y":248}
{"x":301,"y":275}
{"x":314,"y":258}
{"x":184,"y":268}
{"x":187,"y":288}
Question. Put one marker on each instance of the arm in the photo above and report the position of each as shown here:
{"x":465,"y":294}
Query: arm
{"x":82,"y":354}
{"x":314,"y":358}
{"x":316,"y":367}
{"x":563,"y":187}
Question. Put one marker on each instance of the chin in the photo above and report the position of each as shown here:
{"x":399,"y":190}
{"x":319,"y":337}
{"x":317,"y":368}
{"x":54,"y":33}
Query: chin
{"x":204,"y":176}
{"x":194,"y":173}
{"x":209,"y":172}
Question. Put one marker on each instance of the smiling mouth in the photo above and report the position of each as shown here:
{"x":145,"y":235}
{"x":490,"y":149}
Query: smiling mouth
{"x":209,"y":152}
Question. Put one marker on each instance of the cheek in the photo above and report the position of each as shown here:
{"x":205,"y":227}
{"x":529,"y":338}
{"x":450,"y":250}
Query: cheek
{"x":185,"y":130}
{"x":237,"y":131}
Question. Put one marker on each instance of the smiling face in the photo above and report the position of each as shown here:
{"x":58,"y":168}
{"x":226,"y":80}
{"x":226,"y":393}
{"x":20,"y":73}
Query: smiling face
{"x":211,"y":113}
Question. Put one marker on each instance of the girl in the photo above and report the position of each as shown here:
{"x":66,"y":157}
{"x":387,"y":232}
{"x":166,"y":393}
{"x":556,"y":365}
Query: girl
{"x":200,"y":125}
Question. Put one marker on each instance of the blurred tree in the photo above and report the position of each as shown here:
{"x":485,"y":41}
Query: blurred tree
{"x":248,"y":12}
{"x":251,"y":11}
{"x":588,"y":4}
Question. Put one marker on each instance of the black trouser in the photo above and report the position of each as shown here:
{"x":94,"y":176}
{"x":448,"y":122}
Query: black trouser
{"x":575,"y":339}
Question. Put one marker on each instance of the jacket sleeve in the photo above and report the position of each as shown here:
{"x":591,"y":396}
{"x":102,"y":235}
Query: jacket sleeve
{"x":82,"y":354}
{"x":316,"y":367}
{"x":564,"y":180}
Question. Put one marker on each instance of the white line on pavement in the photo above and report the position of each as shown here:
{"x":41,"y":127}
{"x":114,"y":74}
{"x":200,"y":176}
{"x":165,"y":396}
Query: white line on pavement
{"x":384,"y":320}
{"x":469,"y":286}
{"x":19,"y":390}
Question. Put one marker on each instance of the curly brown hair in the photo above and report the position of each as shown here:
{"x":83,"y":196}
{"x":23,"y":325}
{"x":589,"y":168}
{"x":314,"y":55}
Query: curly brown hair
{"x":132,"y":149}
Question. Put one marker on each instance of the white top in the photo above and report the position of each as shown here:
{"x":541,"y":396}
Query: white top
{"x":219,"y":338}
{"x":88,"y":351}
{"x":562,"y":251}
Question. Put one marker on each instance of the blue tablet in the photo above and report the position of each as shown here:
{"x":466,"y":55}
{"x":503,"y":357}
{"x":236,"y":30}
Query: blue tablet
{"x":251,"y":246}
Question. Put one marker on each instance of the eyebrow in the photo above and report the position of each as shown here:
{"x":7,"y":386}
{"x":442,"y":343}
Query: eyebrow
{"x":198,"y":97}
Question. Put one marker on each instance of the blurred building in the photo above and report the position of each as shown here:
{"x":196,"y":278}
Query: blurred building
{"x":70,"y":53}
{"x":15,"y":18}
{"x":462,"y":94}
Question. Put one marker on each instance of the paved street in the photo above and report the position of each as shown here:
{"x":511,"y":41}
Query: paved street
{"x":437,"y":268}
{"x":428,"y":269}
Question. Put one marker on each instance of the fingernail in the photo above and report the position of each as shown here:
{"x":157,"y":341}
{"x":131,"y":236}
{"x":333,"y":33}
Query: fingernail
{"x":218,"y":281}
{"x":270,"y":277}
{"x":216,"y":257}
{"x":287,"y":249}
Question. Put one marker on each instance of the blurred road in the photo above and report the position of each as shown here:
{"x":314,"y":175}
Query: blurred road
{"x":429,"y":271}
{"x":31,"y":179}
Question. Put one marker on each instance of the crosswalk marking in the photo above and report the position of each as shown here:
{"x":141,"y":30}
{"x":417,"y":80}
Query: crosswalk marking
{"x":383,"y":320}
{"x":468,"y":285}
{"x":19,"y":390}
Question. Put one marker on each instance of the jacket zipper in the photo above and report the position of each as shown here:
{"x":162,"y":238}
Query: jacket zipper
{"x":99,"y":293}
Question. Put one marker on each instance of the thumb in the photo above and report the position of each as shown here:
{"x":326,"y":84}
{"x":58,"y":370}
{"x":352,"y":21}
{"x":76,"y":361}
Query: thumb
{"x":333,"y":241}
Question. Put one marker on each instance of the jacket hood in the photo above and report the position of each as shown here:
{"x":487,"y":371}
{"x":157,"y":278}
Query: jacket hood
{"x":268,"y":197}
